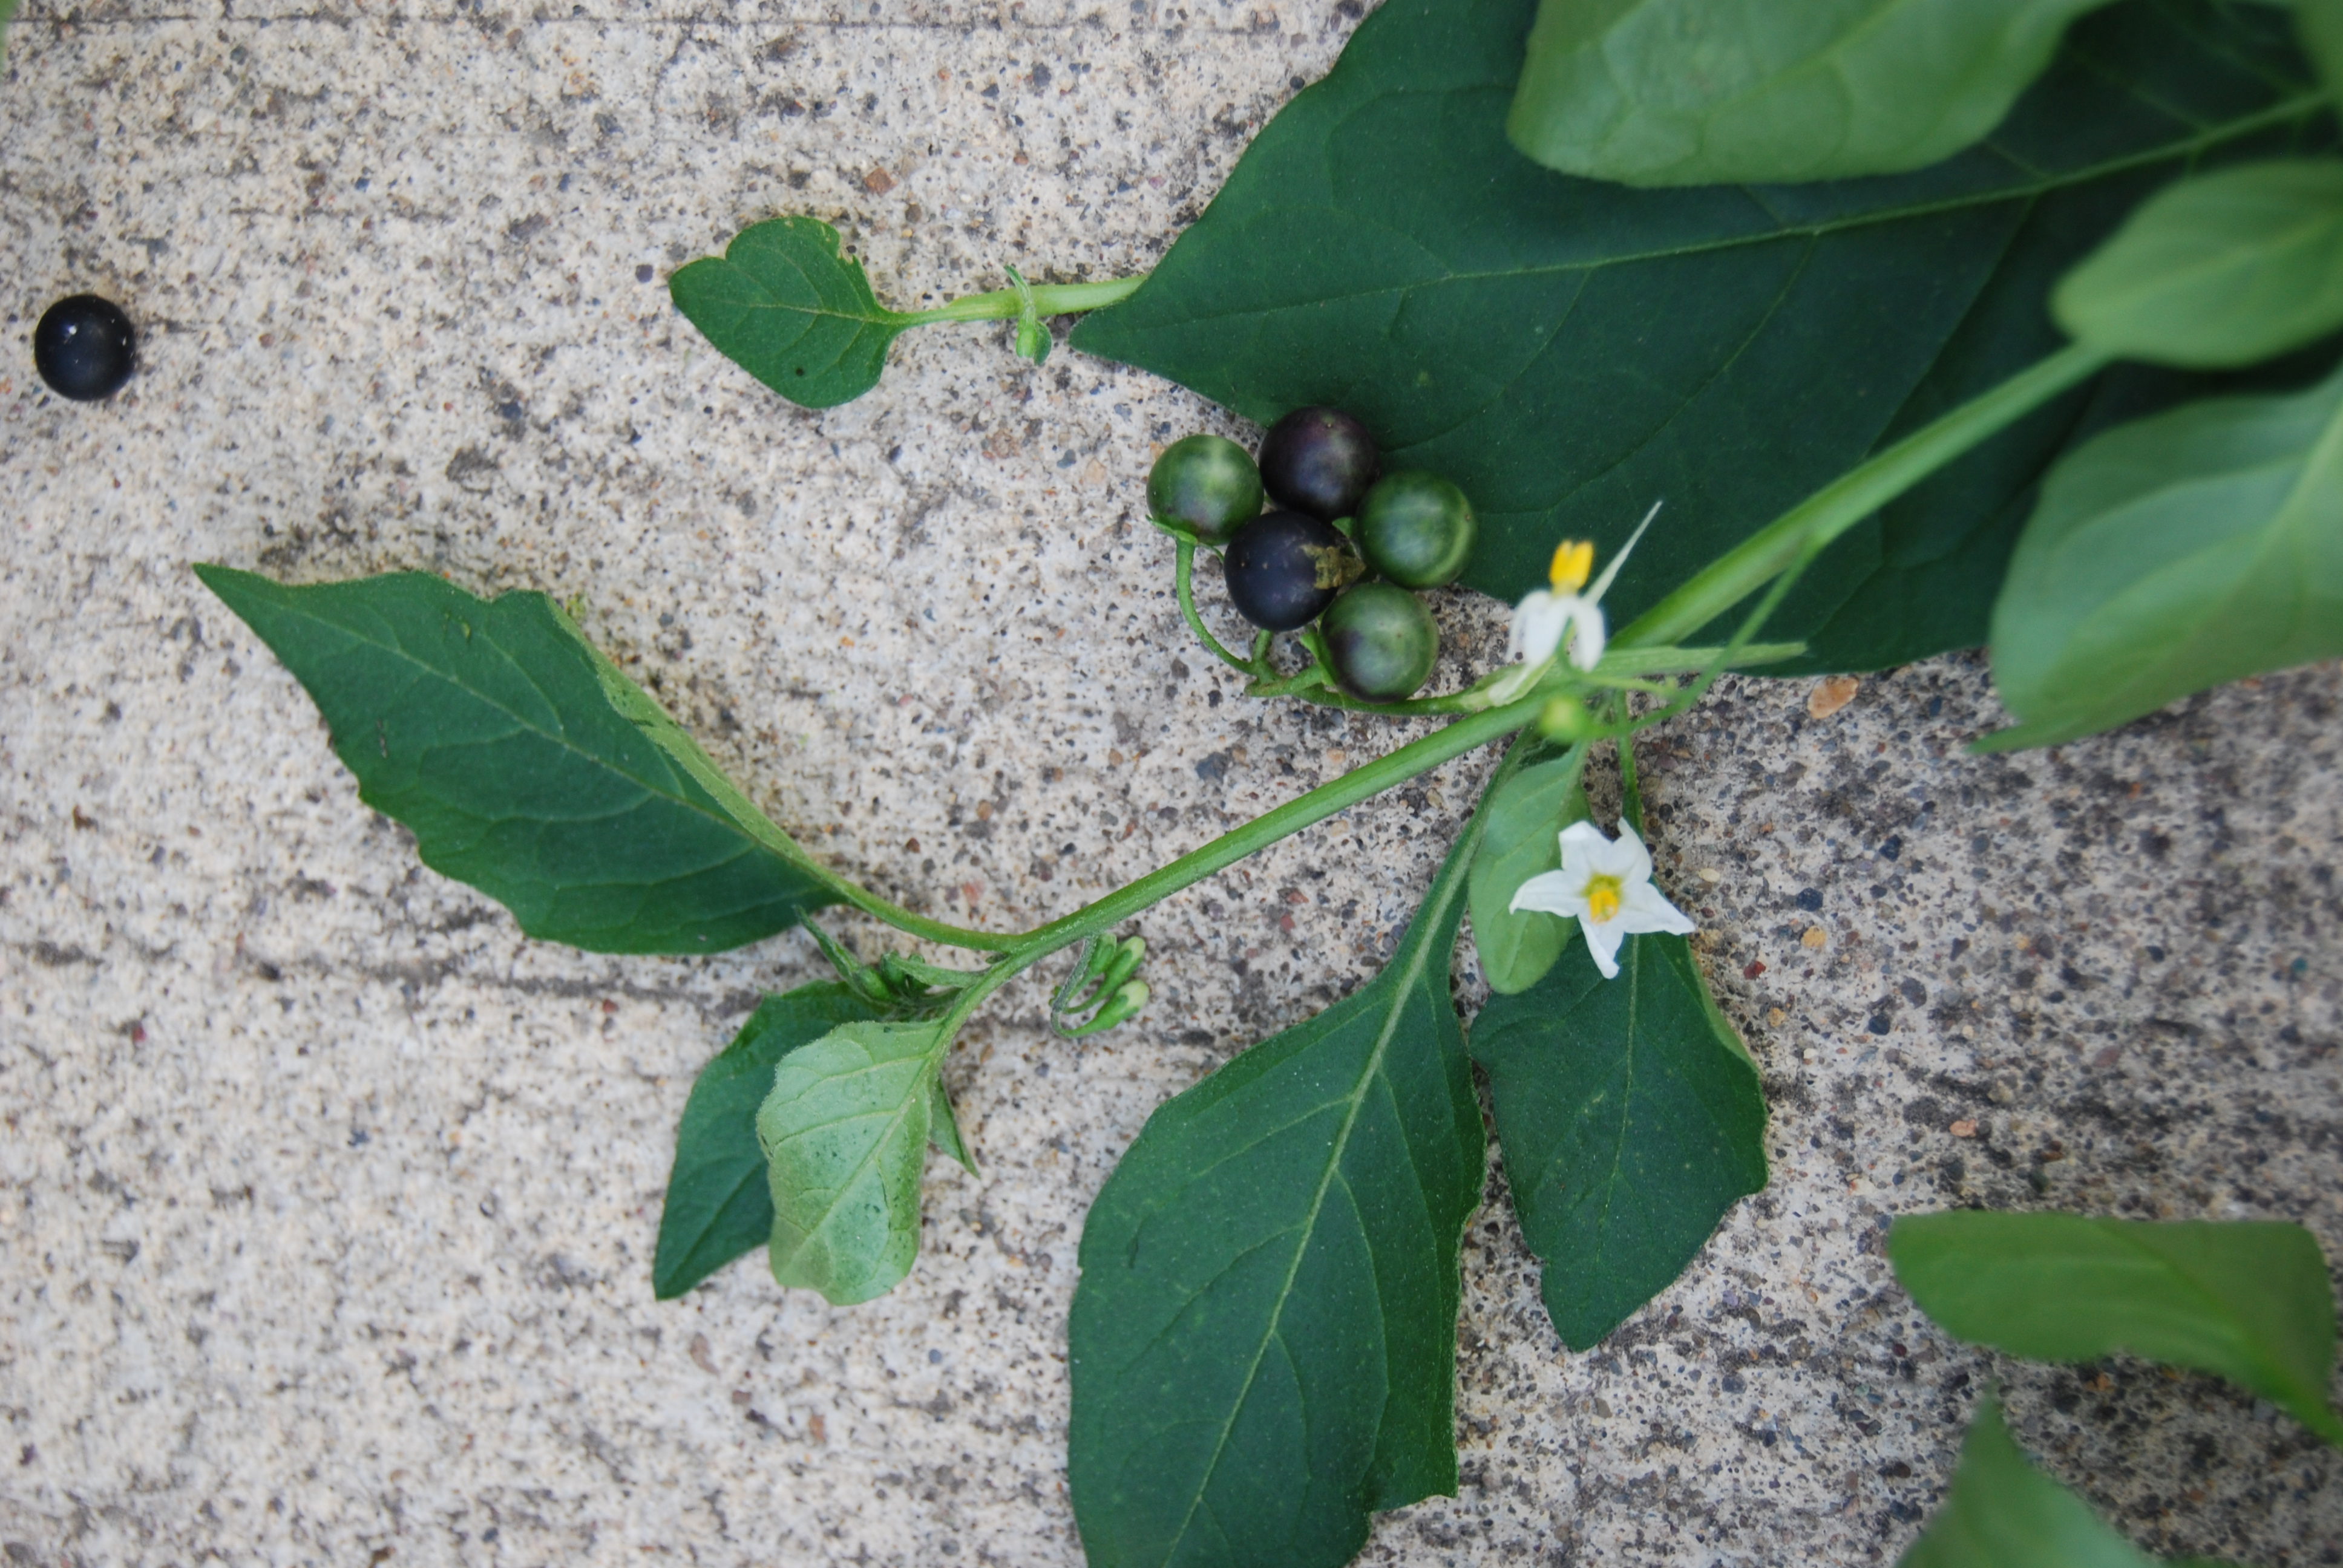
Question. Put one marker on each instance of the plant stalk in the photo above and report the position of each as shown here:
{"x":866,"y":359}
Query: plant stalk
{"x":1048,"y":299}
{"x":1301,"y":811}
{"x":1855,"y":494}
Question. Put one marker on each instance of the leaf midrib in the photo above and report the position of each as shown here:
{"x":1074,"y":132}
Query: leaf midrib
{"x":523,"y":723}
{"x":1432,"y":914}
{"x":2299,"y":107}
{"x":845,"y":1184}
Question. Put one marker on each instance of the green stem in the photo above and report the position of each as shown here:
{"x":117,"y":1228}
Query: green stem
{"x":1336,"y":795}
{"x":1623,"y":668}
{"x":1837,"y":506}
{"x":1182,"y":569}
{"x":1303,"y":811}
{"x":1048,"y":299}
{"x":903,"y":920}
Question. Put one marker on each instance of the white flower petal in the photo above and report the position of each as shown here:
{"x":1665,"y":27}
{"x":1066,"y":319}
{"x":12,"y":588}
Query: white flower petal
{"x":1638,"y":860}
{"x":1539,"y":622}
{"x":1552,"y":893}
{"x":1602,"y":945}
{"x":1642,"y":908}
{"x":1586,"y":637}
{"x":1582,"y":844}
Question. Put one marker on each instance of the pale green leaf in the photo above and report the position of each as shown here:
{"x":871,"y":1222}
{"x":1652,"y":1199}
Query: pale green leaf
{"x":790,"y":306}
{"x":1704,"y":92}
{"x":2002,"y":1513}
{"x":2222,"y":270}
{"x":2170,"y":555}
{"x":1263,"y":1342}
{"x":845,"y":1133}
{"x":1526,"y":816}
{"x":528,"y":766}
{"x":719,"y":1204}
{"x":2248,"y":1301}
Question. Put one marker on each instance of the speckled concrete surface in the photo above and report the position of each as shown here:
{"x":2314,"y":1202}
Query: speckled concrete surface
{"x":327,"y":1202}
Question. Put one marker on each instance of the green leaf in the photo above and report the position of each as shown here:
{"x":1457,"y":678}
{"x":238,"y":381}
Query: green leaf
{"x":1702,"y":92}
{"x":790,"y":306}
{"x":2320,"y":24}
{"x":845,"y":1132}
{"x":943,"y":1126}
{"x":1526,"y":816}
{"x":718,"y":1206}
{"x":1630,"y":1118}
{"x":1263,"y":1342}
{"x":2172,"y":554}
{"x":2223,"y":270}
{"x":2248,"y":1300}
{"x":2002,"y":1513}
{"x":528,"y":765}
{"x":1569,"y":351}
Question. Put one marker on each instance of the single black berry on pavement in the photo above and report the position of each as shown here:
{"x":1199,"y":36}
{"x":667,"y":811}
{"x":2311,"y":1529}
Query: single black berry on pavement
{"x":1381,"y":641}
{"x":85,"y":348}
{"x":1206,"y":484}
{"x":1282,"y":569}
{"x":1320,"y":461}
{"x":1416,"y":529}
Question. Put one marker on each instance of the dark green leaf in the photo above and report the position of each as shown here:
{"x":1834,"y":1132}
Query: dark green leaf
{"x":845,"y":1132}
{"x":1630,"y":1118}
{"x":1569,"y":351}
{"x":1526,"y":816}
{"x":1263,"y":1341}
{"x":528,"y":765}
{"x":2200,"y":546}
{"x":718,"y":1205}
{"x":2002,"y":1513}
{"x":2222,"y":270}
{"x":1702,"y":92}
{"x":790,"y":306}
{"x":2248,"y":1300}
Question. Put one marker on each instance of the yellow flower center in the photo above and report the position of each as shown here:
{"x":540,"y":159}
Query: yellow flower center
{"x":1572,"y":560}
{"x":1602,"y":898}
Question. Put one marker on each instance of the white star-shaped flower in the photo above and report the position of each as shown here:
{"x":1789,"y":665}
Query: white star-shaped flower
{"x":1554,"y":618}
{"x":1606,"y":885}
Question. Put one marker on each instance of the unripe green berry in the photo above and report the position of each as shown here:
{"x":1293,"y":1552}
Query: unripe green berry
{"x":1206,"y":485}
{"x":1416,"y":529}
{"x":1381,"y":641}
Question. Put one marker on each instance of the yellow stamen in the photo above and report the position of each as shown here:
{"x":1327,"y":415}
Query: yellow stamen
{"x":1572,"y":560}
{"x":1602,"y":899}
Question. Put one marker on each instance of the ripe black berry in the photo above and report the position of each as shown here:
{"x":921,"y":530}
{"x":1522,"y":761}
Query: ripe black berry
{"x":1282,"y":569}
{"x":1319,"y":461}
{"x":85,"y":348}
{"x":1206,"y":484}
{"x":1416,"y":529}
{"x":1381,"y":641}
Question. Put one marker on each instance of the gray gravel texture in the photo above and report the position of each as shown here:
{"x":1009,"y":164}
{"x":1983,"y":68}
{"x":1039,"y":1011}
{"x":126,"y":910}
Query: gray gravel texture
{"x":327,"y":1202}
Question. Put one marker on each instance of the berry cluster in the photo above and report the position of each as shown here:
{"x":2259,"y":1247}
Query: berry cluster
{"x":1337,"y":517}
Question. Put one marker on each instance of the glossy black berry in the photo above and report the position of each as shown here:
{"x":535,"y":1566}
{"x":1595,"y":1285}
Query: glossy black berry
{"x":1320,"y":461}
{"x":1282,"y":569}
{"x":1381,"y":641}
{"x":1206,"y":484}
{"x":1416,"y":529}
{"x":85,"y":348}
